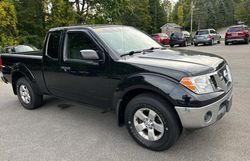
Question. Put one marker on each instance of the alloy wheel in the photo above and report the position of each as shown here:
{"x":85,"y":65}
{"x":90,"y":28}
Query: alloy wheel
{"x":148,"y":124}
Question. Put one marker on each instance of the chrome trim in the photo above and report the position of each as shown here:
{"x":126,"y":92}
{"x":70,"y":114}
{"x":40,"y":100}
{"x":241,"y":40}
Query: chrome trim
{"x":147,"y":125}
{"x":193,"y":117}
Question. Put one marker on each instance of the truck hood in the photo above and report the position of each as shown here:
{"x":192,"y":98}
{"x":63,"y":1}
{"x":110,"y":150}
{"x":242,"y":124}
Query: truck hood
{"x":176,"y":63}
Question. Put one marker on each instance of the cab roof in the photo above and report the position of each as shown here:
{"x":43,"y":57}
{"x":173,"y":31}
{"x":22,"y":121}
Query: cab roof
{"x":85,"y":27}
{"x":238,"y":26}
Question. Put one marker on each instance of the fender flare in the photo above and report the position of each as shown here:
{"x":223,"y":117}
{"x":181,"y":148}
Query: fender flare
{"x":145,"y":82}
{"x":20,"y":70}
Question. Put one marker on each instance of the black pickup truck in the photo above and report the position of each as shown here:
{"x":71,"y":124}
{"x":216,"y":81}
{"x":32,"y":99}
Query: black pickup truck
{"x":154,"y":91}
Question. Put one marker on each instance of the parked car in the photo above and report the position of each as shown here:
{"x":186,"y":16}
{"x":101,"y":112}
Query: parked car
{"x":154,"y":91}
{"x":19,"y":49}
{"x":161,"y":38}
{"x":206,"y":36}
{"x":239,"y":33}
{"x":182,"y":38}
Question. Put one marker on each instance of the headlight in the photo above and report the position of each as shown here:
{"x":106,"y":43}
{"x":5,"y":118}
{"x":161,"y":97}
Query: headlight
{"x":198,"y":84}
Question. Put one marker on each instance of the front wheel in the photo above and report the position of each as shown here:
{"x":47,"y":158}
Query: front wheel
{"x":27,"y":96}
{"x":152,"y":122}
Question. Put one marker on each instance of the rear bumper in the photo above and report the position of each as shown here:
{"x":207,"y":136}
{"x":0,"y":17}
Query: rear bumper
{"x":236,"y":40}
{"x":198,"y":117}
{"x":177,"y":42}
{"x":197,"y":41}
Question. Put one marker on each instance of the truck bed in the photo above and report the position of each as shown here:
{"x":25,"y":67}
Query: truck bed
{"x":30,"y":60}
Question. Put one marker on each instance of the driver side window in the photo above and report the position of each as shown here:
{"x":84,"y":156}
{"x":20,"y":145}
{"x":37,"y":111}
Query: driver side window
{"x":77,"y":41}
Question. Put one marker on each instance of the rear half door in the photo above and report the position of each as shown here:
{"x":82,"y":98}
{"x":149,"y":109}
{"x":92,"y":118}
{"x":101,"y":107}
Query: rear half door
{"x":51,"y":62}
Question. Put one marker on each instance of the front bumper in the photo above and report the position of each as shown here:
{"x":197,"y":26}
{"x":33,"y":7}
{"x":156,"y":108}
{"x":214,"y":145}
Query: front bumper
{"x":198,"y":117}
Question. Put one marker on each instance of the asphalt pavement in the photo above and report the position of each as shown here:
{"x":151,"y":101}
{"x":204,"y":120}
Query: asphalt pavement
{"x":67,"y":131}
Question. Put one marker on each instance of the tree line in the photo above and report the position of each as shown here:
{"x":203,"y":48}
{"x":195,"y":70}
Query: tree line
{"x":211,"y":13}
{"x":27,"y":21}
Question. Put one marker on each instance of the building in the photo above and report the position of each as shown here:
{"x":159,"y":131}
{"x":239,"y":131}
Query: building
{"x":169,"y":28}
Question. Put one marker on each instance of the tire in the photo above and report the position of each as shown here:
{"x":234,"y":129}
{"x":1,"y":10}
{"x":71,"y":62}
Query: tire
{"x":212,"y":42}
{"x":165,"y":116}
{"x":246,"y":41}
{"x":171,"y":45}
{"x":185,"y":44}
{"x":195,"y":44}
{"x":226,"y":43}
{"x":218,"y":42}
{"x":27,"y":96}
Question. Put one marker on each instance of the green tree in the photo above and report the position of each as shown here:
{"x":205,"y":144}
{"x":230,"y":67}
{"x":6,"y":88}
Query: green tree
{"x":242,"y":12}
{"x":8,"y":21}
{"x":168,"y":10}
{"x":207,"y":14}
{"x":180,"y":15}
{"x":61,"y":14}
{"x":31,"y":16}
{"x":157,"y":14}
{"x":139,"y":16}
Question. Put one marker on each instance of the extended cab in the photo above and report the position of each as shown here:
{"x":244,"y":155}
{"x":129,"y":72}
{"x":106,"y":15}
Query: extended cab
{"x":154,"y":91}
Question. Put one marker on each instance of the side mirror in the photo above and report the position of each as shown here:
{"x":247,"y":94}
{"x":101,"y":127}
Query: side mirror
{"x":89,"y":55}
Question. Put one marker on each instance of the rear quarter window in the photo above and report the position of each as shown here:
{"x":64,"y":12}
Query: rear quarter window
{"x":53,"y":44}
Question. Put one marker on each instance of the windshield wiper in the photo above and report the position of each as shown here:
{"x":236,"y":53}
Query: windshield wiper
{"x":142,"y":51}
{"x":131,"y":53}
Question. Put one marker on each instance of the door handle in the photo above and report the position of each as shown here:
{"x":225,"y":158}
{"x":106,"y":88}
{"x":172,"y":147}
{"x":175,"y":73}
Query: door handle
{"x":65,"y":68}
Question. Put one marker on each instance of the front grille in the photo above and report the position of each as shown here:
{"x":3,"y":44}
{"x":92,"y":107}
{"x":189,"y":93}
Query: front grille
{"x":224,"y":74}
{"x":222,"y":79}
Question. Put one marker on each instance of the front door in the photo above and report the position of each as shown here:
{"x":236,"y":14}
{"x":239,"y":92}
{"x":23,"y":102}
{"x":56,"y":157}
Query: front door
{"x":84,"y":80}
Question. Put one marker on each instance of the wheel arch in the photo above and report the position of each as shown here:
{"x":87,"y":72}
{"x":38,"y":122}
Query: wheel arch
{"x":19,"y":71}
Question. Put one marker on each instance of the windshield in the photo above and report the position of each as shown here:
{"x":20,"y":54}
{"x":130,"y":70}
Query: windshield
{"x":126,"y":39}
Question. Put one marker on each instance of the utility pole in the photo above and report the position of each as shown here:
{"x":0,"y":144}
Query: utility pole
{"x":191,"y":14}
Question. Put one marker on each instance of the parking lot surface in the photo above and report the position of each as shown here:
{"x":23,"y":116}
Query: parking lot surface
{"x":63,"y":130}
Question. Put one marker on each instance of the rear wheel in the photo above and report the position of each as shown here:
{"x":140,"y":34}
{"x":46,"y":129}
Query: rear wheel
{"x":152,"y":122}
{"x":195,"y":44}
{"x":212,"y":42}
{"x":247,"y":41}
{"x":171,"y":45}
{"x":226,"y":43}
{"x":26,"y":95}
{"x":185,"y":44}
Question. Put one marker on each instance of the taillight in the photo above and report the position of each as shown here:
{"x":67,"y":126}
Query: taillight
{"x":210,"y":36}
{"x":1,"y":64}
{"x":228,"y":34}
{"x":241,"y":33}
